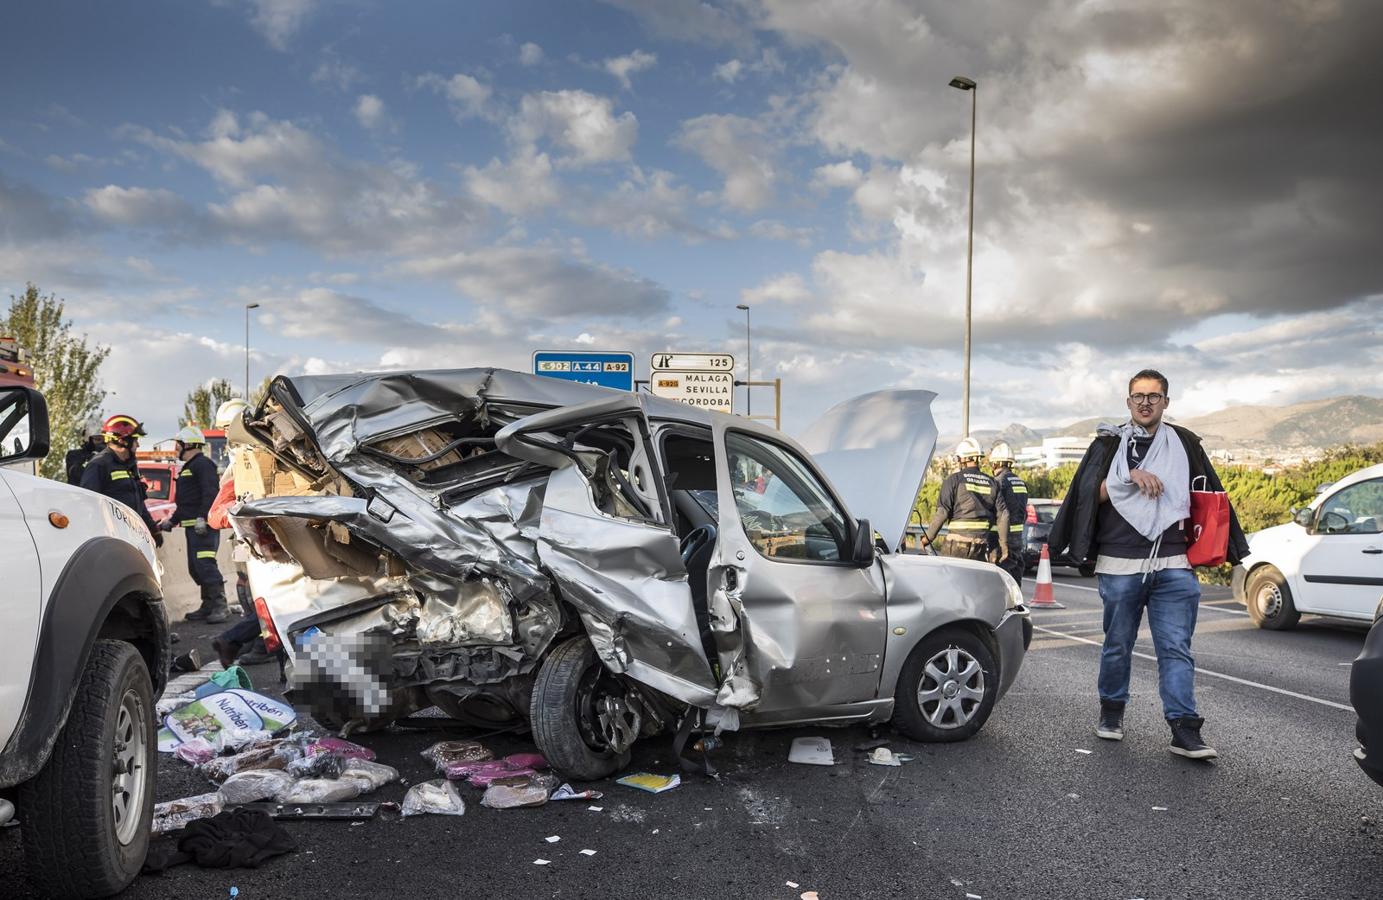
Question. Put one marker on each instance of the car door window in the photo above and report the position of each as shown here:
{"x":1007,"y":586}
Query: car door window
{"x":785,"y":510}
{"x":1358,"y":509}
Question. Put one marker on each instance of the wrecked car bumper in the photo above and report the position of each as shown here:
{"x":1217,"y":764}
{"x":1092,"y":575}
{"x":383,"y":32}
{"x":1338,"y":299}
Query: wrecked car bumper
{"x":1014,"y":634}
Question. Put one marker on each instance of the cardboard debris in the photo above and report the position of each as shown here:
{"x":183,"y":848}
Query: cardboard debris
{"x":811,"y":751}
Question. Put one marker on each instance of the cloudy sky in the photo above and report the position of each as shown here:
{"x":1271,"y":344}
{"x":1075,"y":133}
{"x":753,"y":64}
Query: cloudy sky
{"x":1190,"y":185}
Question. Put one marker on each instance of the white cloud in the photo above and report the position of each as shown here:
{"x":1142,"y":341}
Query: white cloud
{"x":370,"y":112}
{"x":135,"y":206}
{"x":520,"y":186}
{"x":321,"y":313}
{"x":729,"y":71}
{"x":733,"y":70}
{"x":468,"y":96}
{"x":645,"y":205}
{"x":530,"y":54}
{"x":583,"y":124}
{"x":774,"y":230}
{"x":623,"y":66}
{"x":788,"y":289}
{"x":279,"y":20}
{"x":837,"y":175}
{"x":334,"y":72}
{"x":737,"y":148}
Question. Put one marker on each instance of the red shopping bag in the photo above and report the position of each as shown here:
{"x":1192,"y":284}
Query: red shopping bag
{"x":1208,"y":528}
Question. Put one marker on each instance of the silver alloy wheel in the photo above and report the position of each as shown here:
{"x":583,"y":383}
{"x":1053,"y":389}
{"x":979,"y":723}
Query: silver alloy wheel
{"x":129,"y":779}
{"x":952,"y":688}
{"x":1270,"y":600}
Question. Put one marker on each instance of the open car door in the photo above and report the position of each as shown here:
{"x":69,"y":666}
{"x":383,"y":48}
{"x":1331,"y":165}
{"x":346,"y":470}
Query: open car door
{"x":606,"y":536}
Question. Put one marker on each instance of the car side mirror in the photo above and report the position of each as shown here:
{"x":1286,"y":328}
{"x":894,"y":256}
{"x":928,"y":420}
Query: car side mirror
{"x":862,"y":549}
{"x":23,"y":424}
{"x":1304,"y":517}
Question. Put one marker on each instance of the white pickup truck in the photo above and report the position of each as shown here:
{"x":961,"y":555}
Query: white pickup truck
{"x":86,"y":656}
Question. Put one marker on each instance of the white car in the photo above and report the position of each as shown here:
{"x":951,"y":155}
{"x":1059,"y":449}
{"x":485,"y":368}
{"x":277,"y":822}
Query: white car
{"x":86,"y":655}
{"x":1328,"y":560}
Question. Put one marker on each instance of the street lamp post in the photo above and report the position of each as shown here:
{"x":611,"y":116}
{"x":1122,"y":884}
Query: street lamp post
{"x":248,"y":307}
{"x":966,"y":84}
{"x":748,"y":364}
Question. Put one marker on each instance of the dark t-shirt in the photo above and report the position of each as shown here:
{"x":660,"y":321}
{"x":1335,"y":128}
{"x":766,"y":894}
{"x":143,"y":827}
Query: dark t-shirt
{"x":1116,"y":537}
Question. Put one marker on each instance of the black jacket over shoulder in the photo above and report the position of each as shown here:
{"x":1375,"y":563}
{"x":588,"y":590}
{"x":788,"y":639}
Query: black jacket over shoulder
{"x":1072,"y":538}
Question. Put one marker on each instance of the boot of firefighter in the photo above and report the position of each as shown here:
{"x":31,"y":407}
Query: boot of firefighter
{"x":216,"y":611}
{"x":201,"y":612}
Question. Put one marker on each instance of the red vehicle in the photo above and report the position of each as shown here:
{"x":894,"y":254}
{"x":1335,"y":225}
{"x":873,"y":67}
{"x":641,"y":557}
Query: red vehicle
{"x":14,"y":366}
{"x":160,"y":477}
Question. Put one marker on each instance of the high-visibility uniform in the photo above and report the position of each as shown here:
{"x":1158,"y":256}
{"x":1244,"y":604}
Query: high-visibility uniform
{"x":1013,"y":493}
{"x":968,"y":507}
{"x":119,"y":480}
{"x":197,"y":487}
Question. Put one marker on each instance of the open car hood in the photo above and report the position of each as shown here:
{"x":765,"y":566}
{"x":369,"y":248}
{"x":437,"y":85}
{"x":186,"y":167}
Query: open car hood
{"x":875,"y":448}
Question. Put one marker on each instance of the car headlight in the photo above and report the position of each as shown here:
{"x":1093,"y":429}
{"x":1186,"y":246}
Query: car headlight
{"x":1015,"y":593}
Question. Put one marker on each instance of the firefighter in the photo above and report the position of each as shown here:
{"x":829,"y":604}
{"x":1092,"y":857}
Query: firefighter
{"x":1013,"y":493}
{"x":114,"y":471}
{"x":77,"y":458}
{"x":197,"y":488}
{"x":968,"y":502}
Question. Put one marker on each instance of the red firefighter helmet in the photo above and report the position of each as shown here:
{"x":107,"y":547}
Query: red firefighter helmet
{"x":120,"y":428}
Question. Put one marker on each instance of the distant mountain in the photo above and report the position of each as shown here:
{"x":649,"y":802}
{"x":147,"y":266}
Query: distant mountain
{"x":1331,"y":422}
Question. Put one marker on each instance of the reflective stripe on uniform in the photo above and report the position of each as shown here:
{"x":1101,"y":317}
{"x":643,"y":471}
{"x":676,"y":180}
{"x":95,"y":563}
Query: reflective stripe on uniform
{"x":968,"y":526}
{"x":1018,"y":488}
{"x":185,"y":473}
{"x":188,"y":523}
{"x":206,"y":554}
{"x":1015,"y":529}
{"x":117,"y":474}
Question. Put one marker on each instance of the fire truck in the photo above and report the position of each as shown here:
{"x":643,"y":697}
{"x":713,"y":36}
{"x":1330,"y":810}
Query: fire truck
{"x":14,"y":365}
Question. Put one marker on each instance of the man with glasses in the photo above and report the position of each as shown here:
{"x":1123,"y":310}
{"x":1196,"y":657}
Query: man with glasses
{"x":1124,"y":520}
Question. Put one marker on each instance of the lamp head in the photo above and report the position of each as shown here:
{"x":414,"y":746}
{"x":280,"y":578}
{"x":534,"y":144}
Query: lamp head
{"x":962,"y":83}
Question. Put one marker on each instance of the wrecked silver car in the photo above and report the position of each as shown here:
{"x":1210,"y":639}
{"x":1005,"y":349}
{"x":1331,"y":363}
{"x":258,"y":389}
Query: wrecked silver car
{"x":600,"y":566}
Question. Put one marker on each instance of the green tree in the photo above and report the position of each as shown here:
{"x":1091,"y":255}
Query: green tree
{"x":202,"y":402}
{"x":66,"y":369}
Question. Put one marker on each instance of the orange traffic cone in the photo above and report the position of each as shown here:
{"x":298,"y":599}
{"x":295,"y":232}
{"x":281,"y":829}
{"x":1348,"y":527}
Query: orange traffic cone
{"x":1042,"y":594}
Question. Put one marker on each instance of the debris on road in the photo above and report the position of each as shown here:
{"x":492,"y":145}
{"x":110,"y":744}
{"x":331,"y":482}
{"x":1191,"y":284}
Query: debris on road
{"x":176,"y":814}
{"x":588,"y":853}
{"x":359,"y":810}
{"x":445,"y":753}
{"x":242,"y":838}
{"x":208,"y":716}
{"x":257,"y":784}
{"x":811,"y":751}
{"x":552,"y":839}
{"x":883,"y":756}
{"x":653,"y":784}
{"x":531,"y":791}
{"x":567,"y":792}
{"x":340,"y":747}
{"x":1084,"y":752}
{"x":541,"y":862}
{"x":439,"y":797}
{"x":371,"y":775}
{"x":320,"y":790}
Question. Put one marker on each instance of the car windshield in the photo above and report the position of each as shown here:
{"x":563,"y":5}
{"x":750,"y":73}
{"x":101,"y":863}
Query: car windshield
{"x":1046,"y":512}
{"x":156,"y":481}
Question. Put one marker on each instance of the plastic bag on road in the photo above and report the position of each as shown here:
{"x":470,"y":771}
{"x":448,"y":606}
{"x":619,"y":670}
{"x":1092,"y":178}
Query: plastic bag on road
{"x":176,"y":814}
{"x":195,"y":752}
{"x":272,"y":757}
{"x":342,"y":748}
{"x":323,"y":765}
{"x":444,"y":753}
{"x":371,"y":775}
{"x":526,"y":761}
{"x":320,"y":790}
{"x":514,"y":796}
{"x":256,"y":784}
{"x":439,"y":797}
{"x":236,"y":739}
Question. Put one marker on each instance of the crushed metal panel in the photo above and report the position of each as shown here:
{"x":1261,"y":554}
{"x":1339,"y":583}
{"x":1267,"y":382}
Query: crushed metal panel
{"x":875,"y":449}
{"x":627,"y":581}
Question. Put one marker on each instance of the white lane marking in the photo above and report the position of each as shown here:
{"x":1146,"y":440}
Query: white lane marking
{"x":1199,"y":671}
{"x":1204,"y":605}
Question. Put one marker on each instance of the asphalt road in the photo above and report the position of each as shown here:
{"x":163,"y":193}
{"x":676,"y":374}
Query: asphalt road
{"x":1018,"y":812}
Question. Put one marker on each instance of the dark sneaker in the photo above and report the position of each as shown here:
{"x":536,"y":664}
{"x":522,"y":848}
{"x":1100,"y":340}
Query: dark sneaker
{"x":1111,"y":726}
{"x":226,"y":651}
{"x":1186,"y":738}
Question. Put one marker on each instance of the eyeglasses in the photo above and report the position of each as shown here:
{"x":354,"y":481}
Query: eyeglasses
{"x":1141,"y":399}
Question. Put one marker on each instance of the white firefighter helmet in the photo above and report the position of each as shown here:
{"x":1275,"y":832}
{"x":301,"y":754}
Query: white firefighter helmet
{"x":969,"y":448}
{"x":229,"y":411}
{"x":93,"y":426}
{"x":1000,"y":452}
{"x":189,"y":435}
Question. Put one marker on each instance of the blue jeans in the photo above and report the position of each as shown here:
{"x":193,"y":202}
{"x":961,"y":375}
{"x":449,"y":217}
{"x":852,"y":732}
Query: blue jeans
{"x":1172,"y":598}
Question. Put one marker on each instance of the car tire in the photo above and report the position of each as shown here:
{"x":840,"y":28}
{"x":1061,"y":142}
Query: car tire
{"x":556,"y":710}
{"x":1269,"y":600}
{"x":925,"y":707}
{"x":84,"y":837}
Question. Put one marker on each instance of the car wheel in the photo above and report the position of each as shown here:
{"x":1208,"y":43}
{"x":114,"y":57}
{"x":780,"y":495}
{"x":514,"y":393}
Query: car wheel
{"x":86,"y":815}
{"x":1270,"y":600}
{"x":947,"y":688}
{"x":580,"y":718}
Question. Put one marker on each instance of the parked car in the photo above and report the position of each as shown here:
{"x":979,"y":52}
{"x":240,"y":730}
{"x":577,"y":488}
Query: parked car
{"x":1041,"y":515}
{"x":1327,"y":560}
{"x":600,"y":566}
{"x":161,"y":481}
{"x":1366,"y":694}
{"x":86,"y":656}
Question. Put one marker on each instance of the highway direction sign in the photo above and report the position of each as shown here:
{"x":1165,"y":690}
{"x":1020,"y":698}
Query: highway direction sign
{"x":692,"y":362}
{"x":607,"y":368}
{"x":704,"y":390}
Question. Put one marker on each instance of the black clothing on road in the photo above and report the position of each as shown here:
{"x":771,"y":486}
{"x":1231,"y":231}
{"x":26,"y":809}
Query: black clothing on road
{"x":1076,"y":535}
{"x":107,"y":474}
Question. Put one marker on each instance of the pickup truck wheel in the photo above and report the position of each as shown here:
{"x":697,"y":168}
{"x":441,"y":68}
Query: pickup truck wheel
{"x":947,"y":687}
{"x":1270,"y":600}
{"x":86,"y":815}
{"x":571,"y":690}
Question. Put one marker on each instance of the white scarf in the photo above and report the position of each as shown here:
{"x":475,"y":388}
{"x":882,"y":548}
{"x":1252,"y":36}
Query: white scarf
{"x":1165,"y":458}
